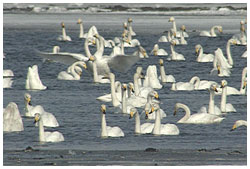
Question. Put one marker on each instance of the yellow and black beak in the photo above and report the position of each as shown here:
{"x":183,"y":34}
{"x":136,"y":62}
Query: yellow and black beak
{"x":175,"y":112}
{"x":91,"y":58}
{"x":156,"y":96}
{"x":62,"y":24}
{"x":222,"y":85}
{"x":244,"y":84}
{"x":146,"y":116}
{"x":197,"y":51}
{"x":155,"y":52}
{"x":29,"y":101}
{"x":215,"y":89}
{"x":131,"y":115}
{"x":85,"y":66}
{"x":233,"y":128}
{"x":36,"y":119}
{"x":218,"y":68}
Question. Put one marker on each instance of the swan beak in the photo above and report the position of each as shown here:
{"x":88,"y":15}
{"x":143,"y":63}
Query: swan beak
{"x":222,"y":85}
{"x":96,"y":35}
{"x":124,"y":87}
{"x":103,"y":109}
{"x":85,"y":66}
{"x":146,"y":112}
{"x":220,"y":30}
{"x":36,"y":119}
{"x":215,"y":89}
{"x":233,"y":128}
{"x":152,"y":110}
{"x":197,"y":51}
{"x":29,"y":101}
{"x":234,"y":42}
{"x":218,"y":68}
{"x":94,"y":42}
{"x":155,"y":52}
{"x":156,"y":96}
{"x":131,"y":115}
{"x":91,"y":58}
{"x":62,"y":25}
{"x":244,"y":85}
{"x":175,"y":112}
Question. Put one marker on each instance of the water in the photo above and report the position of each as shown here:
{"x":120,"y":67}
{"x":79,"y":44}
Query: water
{"x":74,"y":103}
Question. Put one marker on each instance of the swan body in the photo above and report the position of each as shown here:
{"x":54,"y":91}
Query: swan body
{"x":201,"y":84}
{"x":197,"y":118}
{"x":12,"y":120}
{"x":49,"y":119}
{"x":151,"y":78}
{"x":7,"y":82}
{"x":163,"y":39}
{"x":140,"y":129}
{"x":33,"y":81}
{"x":64,"y":36}
{"x":158,"y":52}
{"x":163,"y":77}
{"x":224,"y":106}
{"x":191,"y":85}
{"x":175,"y":55}
{"x":244,"y":55}
{"x":239,"y":123}
{"x":202,"y":57}
{"x":178,"y":34}
{"x":241,"y":38}
{"x":212,"y":31}
{"x":163,"y":129}
{"x":72,"y":74}
{"x":8,"y":73}
{"x":107,"y":131}
{"x":47,"y":136}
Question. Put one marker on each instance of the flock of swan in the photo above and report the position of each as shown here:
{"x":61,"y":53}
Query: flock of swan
{"x":141,"y":93}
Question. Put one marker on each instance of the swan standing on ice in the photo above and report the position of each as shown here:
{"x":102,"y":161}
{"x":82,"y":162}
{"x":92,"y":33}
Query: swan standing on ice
{"x":163,"y":77}
{"x":140,"y":129}
{"x":107,"y":131}
{"x":158,"y":52}
{"x":178,"y":34}
{"x":33,"y":81}
{"x":202,"y":57}
{"x":175,"y":55}
{"x":212,"y":31}
{"x":197,"y":118}
{"x":163,"y":129}
{"x":47,"y":136}
{"x":239,"y":123}
{"x":81,"y":34}
{"x":49,"y":119}
{"x":63,"y":37}
{"x":12,"y":120}
{"x":224,"y":106}
{"x":72,"y":73}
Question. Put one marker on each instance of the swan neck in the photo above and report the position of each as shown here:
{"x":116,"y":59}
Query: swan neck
{"x":223,"y":99}
{"x":115,"y":101}
{"x":157,"y":126}
{"x":136,"y":85}
{"x":100,"y":49}
{"x":73,"y":72}
{"x":122,"y":47}
{"x":86,"y":47}
{"x":173,"y":52}
{"x":243,"y":76}
{"x":211,"y":103}
{"x":195,"y":81}
{"x":104,"y":127}
{"x":124,"y":102}
{"x":229,"y":56}
{"x":212,"y":31}
{"x":187,"y":111}
{"x":64,"y":33}
{"x":95,"y":73}
{"x":162,"y":71}
{"x":137,"y":123}
{"x":174,"y":26}
{"x":41,"y":130}
{"x":81,"y":30}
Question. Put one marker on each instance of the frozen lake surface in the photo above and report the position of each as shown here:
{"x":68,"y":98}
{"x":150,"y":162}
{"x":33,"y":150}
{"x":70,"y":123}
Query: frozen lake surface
{"x":74,"y":103}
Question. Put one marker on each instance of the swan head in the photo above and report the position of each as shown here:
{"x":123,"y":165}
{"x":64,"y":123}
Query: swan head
{"x":133,"y":110}
{"x":125,"y":25}
{"x":213,"y":87}
{"x":242,"y":22}
{"x":62,"y":24}
{"x":197,"y":49}
{"x":37,"y":117}
{"x":173,"y":42}
{"x":237,"y":124}
{"x":148,"y":110}
{"x":232,"y":41}
{"x":131,"y":87}
{"x":183,"y":28}
{"x":218,"y":69}
{"x":92,"y":58}
{"x":103,"y":109}
{"x":154,"y":94}
{"x":130,"y":20}
{"x":220,"y":29}
{"x":27,"y":98}
{"x":96,"y":35}
{"x":171,"y":19}
{"x":143,"y":51}
{"x":79,"y":21}
{"x":161,"y":62}
{"x":223,"y":83}
{"x":244,"y":83}
{"x":124,"y":87}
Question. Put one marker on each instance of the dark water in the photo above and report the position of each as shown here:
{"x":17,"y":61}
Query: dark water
{"x":74,"y":103}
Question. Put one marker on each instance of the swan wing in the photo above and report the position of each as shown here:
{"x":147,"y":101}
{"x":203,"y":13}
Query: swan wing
{"x":115,"y":132}
{"x":49,"y":120}
{"x":122,"y":63}
{"x":147,"y":128}
{"x":53,"y":136}
{"x":169,"y":129}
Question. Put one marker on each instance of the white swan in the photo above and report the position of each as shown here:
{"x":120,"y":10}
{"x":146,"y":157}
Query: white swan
{"x":12,"y":120}
{"x":212,"y":31}
{"x":8,"y":73}
{"x":107,"y":97}
{"x":49,"y":119}
{"x":163,"y":77}
{"x":47,"y":136}
{"x":202,"y":57}
{"x":175,"y":55}
{"x":163,"y":129}
{"x":178,"y":34}
{"x":33,"y":81}
{"x":64,"y":36}
{"x":201,"y":84}
{"x":81,"y":34}
{"x":125,"y":107}
{"x":163,"y":38}
{"x":7,"y":82}
{"x":197,"y":118}
{"x":183,"y":30}
{"x":140,"y":129}
{"x":241,"y":37}
{"x":151,"y":112}
{"x":72,"y":74}
{"x":239,"y":123}
{"x":107,"y":131}
{"x":130,"y":29}
{"x":151,"y":78}
{"x":140,"y":91}
{"x":158,"y":52}
{"x":224,"y":106}
{"x":244,"y":55}
{"x":132,"y":42}
{"x":191,"y":85}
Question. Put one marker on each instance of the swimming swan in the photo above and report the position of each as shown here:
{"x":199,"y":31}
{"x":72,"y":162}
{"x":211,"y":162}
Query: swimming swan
{"x":107,"y":97}
{"x":8,"y":73}
{"x":151,"y":78}
{"x":241,"y":37}
{"x":81,"y":34}
{"x":197,"y":118}
{"x":151,"y":112}
{"x":12,"y":120}
{"x":175,"y":55}
{"x":239,"y":123}
{"x":140,"y":129}
{"x":49,"y":119}
{"x":178,"y":34}
{"x":7,"y":82}
{"x":183,"y":30}
{"x":158,"y":52}
{"x":163,"y":129}
{"x":202,"y":57}
{"x":212,"y":31}
{"x":72,"y":74}
{"x":130,"y":29}
{"x":220,"y":67}
{"x":224,"y":106}
{"x":63,"y":37}
{"x":107,"y":131}
{"x":47,"y":136}
{"x":33,"y":81}
{"x":191,"y":85}
{"x":163,"y":77}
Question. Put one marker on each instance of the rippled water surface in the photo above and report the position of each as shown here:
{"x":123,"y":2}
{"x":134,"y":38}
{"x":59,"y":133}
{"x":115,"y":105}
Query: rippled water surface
{"x":74,"y":103}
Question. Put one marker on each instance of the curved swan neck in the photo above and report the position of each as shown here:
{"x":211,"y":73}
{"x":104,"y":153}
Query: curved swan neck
{"x":86,"y":47}
{"x":174,"y":26}
{"x":201,"y":52}
{"x":157,"y":126}
{"x":195,"y":81}
{"x":212,"y":31}
{"x":73,"y":72}
{"x":223,"y":99}
{"x":229,"y":57}
{"x":41,"y":130}
{"x":100,"y":50}
{"x":137,"y":123}
{"x":211,"y":103}
{"x":186,"y":109}
{"x":104,"y":127}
